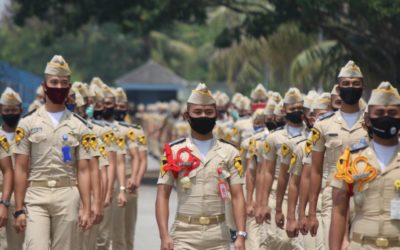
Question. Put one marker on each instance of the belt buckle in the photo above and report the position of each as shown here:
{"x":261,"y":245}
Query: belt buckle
{"x":204,"y":220}
{"x":51,"y":183}
{"x":382,"y":242}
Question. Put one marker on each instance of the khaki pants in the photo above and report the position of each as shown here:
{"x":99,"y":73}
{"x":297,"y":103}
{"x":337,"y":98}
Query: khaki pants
{"x":124,"y":223}
{"x":254,"y":234}
{"x":196,"y":237}
{"x":103,"y":241}
{"x":52,"y":218}
{"x":277,"y":238}
{"x":87,"y":239}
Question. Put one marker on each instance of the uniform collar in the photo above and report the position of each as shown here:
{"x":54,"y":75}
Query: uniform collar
{"x":338,"y":118}
{"x":45,"y":116}
{"x":214,"y":149}
{"x":393,"y":163}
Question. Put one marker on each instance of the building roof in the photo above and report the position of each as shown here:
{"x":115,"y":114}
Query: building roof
{"x":151,"y":75}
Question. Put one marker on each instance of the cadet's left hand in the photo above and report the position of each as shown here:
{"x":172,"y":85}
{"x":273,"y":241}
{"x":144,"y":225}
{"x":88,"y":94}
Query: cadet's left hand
{"x":279,"y":219}
{"x":3,"y":215}
{"x":292,"y":229}
{"x":97,"y":214}
{"x":239,"y":243}
{"x":132,"y":184}
{"x":84,"y":220}
{"x":121,"y":199}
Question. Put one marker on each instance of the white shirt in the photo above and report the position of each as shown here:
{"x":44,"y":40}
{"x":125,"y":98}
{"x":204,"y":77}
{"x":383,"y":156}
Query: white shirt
{"x":350,"y":118}
{"x":384,"y":154}
{"x":9,"y":135}
{"x":294,"y":130}
{"x":56,"y":117}
{"x":203,"y":146}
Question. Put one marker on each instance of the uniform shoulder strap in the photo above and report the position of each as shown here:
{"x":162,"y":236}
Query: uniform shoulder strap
{"x":326,"y":115}
{"x":359,"y":145}
{"x":176,"y":142}
{"x":33,"y":111}
{"x":99,"y":123}
{"x":80,"y":118}
{"x":227,"y":142}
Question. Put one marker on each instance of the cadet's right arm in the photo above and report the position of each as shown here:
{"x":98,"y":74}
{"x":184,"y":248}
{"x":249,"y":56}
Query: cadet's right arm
{"x":340,"y":206}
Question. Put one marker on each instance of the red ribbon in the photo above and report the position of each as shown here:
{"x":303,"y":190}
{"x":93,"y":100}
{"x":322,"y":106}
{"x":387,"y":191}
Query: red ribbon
{"x":176,"y":166}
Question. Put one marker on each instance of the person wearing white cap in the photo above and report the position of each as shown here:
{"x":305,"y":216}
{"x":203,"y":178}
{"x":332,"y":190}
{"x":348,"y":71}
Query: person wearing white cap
{"x":248,"y":151}
{"x":331,"y":134}
{"x":10,"y":106}
{"x":298,"y":189}
{"x":207,"y":172}
{"x":259,"y":97}
{"x":335,"y":98}
{"x":369,"y":172}
{"x":52,"y":151}
{"x":271,"y":179}
{"x":243,"y":127}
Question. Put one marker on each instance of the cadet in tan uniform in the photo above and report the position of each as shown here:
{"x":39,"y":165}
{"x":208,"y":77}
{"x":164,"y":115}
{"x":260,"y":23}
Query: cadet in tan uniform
{"x":369,"y":171}
{"x":243,"y":127}
{"x":10,"y":107}
{"x":249,"y":156}
{"x":259,"y":97}
{"x":124,"y":221}
{"x":206,"y":172}
{"x":274,"y":168}
{"x":181,"y":127}
{"x":39,"y":100}
{"x":300,"y":170}
{"x":52,"y":153}
{"x":11,"y":110}
{"x":330,"y":136}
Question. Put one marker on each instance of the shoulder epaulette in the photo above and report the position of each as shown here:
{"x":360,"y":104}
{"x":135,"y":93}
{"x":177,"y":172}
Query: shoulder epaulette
{"x":359,"y":145}
{"x":326,"y":115}
{"x":80,"y":118}
{"x":297,"y":143}
{"x":176,"y":142}
{"x":295,"y":136}
{"x":277,"y":129}
{"x":227,"y":142}
{"x":33,"y":111}
{"x":129,"y":125}
{"x":99,"y":123}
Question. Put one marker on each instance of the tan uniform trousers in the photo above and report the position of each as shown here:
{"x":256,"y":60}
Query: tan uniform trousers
{"x":124,"y":222}
{"x":316,"y":242}
{"x":52,"y":218}
{"x":103,"y":240}
{"x":14,"y":240}
{"x":254,"y":230}
{"x":87,"y":239}
{"x":277,"y":238}
{"x":200,"y":237}
{"x":326,"y":213}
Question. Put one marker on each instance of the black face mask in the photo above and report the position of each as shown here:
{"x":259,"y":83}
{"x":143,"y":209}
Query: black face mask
{"x":335,"y":109}
{"x":295,"y":117}
{"x":98,"y":114}
{"x":119,"y":115}
{"x":351,"y":95}
{"x":11,"y":120}
{"x":280,"y":123}
{"x":270,"y":125}
{"x":108,"y":113}
{"x":202,"y":125}
{"x":385,"y":127}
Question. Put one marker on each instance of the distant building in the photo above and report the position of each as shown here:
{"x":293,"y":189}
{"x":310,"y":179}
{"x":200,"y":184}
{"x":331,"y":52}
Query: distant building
{"x":23,"y":82}
{"x":150,"y":83}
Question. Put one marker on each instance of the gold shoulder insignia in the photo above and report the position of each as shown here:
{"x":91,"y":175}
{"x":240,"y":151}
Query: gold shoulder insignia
{"x":108,"y":137}
{"x":315,"y":135}
{"x":121,"y":142}
{"x":86,"y":142}
{"x":143,"y":140}
{"x":162,"y":164}
{"x":131,"y":134}
{"x":267,"y":148}
{"x":308,"y":147}
{"x":103,"y":151}
{"x":293,"y":160}
{"x":238,"y":165}
{"x":234,"y":131}
{"x":4,"y":143}
{"x":284,"y":150}
{"x":93,"y":141}
{"x":19,"y":135}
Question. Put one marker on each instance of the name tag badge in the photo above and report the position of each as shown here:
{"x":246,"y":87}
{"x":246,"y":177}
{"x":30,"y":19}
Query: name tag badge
{"x":395,"y":209}
{"x":35,"y":130}
{"x":66,"y":150}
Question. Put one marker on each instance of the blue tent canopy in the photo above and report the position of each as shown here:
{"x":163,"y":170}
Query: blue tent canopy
{"x":23,"y":82}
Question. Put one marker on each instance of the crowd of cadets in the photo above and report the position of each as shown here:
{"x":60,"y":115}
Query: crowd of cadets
{"x":306,"y":156}
{"x":314,"y":171}
{"x":72,"y":166}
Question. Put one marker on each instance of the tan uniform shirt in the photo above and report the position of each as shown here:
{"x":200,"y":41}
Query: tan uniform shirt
{"x":243,"y":128}
{"x":5,"y":151}
{"x":203,"y":199}
{"x":106,"y":139}
{"x":221,"y":126}
{"x":300,"y":156}
{"x":373,"y":199}
{"x":181,"y":129}
{"x":252,"y":144}
{"x":37,"y":137}
{"x":332,"y":135}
